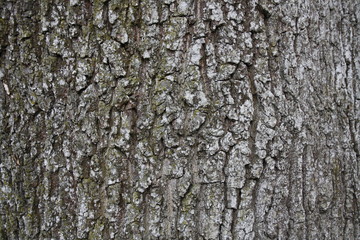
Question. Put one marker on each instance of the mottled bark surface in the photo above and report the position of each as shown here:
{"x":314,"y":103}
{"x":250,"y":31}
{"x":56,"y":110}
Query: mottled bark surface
{"x":179,"y":119}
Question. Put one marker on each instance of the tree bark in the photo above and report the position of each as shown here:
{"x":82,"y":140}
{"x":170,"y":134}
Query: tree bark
{"x":179,"y":119}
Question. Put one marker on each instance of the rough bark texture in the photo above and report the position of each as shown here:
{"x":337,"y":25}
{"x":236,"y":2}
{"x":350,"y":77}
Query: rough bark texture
{"x":180,"y":119}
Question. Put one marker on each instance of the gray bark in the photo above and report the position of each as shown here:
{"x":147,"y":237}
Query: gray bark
{"x":179,"y":119}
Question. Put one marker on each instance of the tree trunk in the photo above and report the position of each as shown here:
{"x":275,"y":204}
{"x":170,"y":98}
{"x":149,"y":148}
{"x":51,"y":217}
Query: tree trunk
{"x":180,"y":119}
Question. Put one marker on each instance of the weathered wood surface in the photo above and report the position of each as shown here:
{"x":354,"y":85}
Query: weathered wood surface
{"x":179,"y":119}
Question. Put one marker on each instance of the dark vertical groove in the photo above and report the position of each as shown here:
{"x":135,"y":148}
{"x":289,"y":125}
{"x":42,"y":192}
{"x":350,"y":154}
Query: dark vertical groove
{"x":304,"y":189}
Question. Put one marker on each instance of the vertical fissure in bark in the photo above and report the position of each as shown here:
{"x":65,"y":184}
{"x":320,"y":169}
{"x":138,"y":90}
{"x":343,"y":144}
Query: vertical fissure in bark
{"x":198,"y":9}
{"x":304,"y":189}
{"x":203,"y":70}
{"x":145,"y":219}
{"x":235,"y":212}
